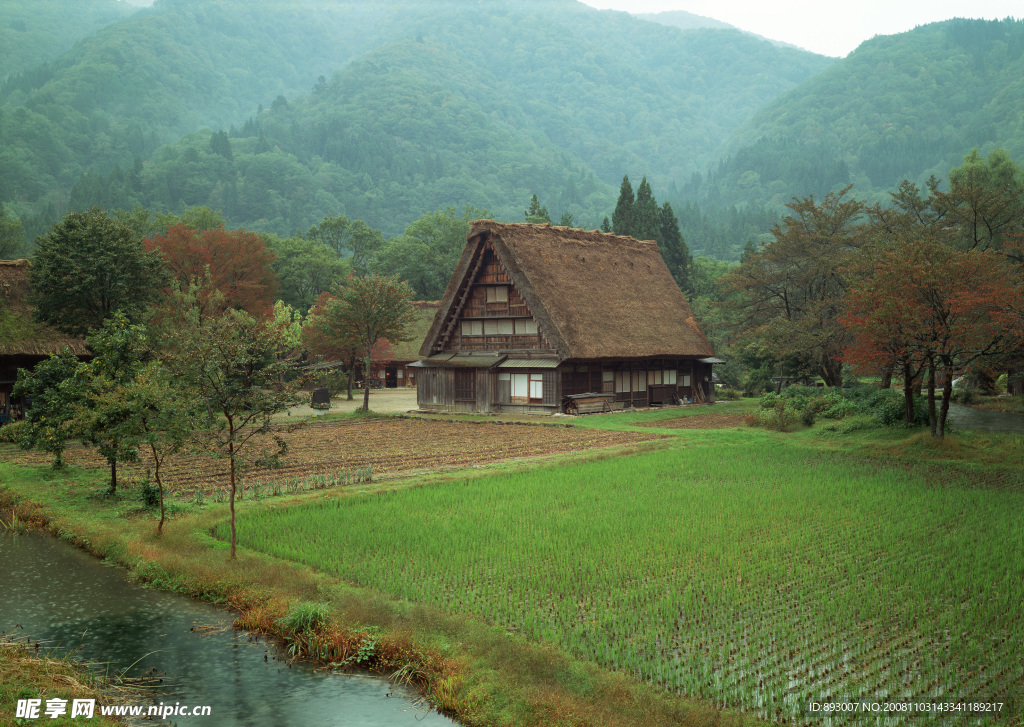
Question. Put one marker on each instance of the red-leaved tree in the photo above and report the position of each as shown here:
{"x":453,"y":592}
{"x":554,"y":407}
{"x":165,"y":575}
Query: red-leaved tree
{"x":235,"y":262}
{"x":930,"y":302}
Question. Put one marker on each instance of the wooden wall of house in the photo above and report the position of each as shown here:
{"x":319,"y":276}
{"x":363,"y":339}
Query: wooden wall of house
{"x":582,"y":377}
{"x":492,"y":303}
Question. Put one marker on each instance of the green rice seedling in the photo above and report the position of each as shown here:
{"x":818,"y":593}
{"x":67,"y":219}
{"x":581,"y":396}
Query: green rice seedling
{"x":752,"y":580}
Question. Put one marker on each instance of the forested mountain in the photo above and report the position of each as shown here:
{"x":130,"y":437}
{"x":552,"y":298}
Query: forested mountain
{"x":899,"y":107}
{"x":474,"y":103}
{"x":39,"y":32}
{"x":280,"y":114}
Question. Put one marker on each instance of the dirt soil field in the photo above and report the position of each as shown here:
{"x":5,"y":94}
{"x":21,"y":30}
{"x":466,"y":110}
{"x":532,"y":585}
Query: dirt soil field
{"x":700,"y":421}
{"x":387,"y":445}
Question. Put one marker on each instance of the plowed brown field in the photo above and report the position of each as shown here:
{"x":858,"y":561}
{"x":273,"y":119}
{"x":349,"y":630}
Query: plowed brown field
{"x":387,"y":445}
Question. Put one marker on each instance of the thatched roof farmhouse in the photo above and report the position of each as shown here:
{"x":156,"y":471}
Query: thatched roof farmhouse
{"x":541,"y":318}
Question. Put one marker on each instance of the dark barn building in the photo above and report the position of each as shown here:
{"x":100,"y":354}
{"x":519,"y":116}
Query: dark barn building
{"x":23,"y":342}
{"x":543,"y":319}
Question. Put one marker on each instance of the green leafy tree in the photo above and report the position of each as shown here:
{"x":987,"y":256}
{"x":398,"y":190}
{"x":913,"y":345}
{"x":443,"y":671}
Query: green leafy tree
{"x":164,"y":417}
{"x":56,"y":387}
{"x":230,"y":363}
{"x":791,"y":289}
{"x":105,"y":415}
{"x":985,"y":201}
{"x":367,"y":311}
{"x":537,"y":214}
{"x":87,"y":267}
{"x":426,"y":254}
{"x":349,"y":239}
{"x":305,"y":268}
{"x":622,"y":217}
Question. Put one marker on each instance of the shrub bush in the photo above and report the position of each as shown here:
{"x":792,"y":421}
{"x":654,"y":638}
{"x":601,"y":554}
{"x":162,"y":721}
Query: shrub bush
{"x":150,"y":494}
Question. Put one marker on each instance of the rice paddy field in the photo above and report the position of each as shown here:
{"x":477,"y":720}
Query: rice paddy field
{"x":754,"y":574}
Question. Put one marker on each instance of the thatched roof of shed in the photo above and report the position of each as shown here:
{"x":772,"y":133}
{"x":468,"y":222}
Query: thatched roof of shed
{"x":19,"y":334}
{"x":409,"y":350}
{"x":596,"y":295}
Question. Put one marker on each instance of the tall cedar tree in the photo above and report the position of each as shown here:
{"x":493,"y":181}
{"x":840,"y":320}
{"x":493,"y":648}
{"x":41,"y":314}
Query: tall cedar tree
{"x":88,"y":266}
{"x":229,"y":361}
{"x":537,"y":214}
{"x":673,"y":248}
{"x":239,"y":264}
{"x":646,"y":217}
{"x":622,"y":217}
{"x":952,"y":306}
{"x":792,"y":288}
{"x":366,"y":312}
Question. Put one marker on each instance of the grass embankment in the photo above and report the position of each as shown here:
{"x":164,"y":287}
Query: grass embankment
{"x":27,"y":672}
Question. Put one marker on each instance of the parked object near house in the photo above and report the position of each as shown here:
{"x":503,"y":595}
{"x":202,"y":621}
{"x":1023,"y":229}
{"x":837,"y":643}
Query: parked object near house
{"x":535,"y":316}
{"x":23,"y":341}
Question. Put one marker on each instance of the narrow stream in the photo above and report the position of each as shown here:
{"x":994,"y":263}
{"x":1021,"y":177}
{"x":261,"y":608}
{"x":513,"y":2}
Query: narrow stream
{"x":983,"y":420}
{"x":61,"y":595}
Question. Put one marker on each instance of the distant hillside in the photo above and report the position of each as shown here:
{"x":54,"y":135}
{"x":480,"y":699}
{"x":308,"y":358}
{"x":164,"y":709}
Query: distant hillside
{"x":436,"y":104}
{"x":899,"y":107}
{"x":683,"y":20}
{"x":41,"y":31}
{"x":689,"y":21}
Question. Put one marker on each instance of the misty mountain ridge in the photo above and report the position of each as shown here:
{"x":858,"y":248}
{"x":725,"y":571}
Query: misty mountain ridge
{"x":280,"y":114}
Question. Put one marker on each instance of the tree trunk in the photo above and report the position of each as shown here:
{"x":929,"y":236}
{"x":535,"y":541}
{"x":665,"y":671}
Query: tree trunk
{"x":366,"y":385}
{"x":885,"y":376}
{"x":932,"y":421}
{"x":947,"y":395}
{"x":231,"y":456}
{"x":832,"y":372}
{"x":113,"y":477}
{"x":351,"y":373}
{"x":160,"y":487}
{"x":908,"y":394}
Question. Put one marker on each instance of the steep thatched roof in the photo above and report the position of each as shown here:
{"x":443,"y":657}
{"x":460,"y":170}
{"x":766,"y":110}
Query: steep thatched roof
{"x":594,"y":294}
{"x":19,"y":334}
{"x":409,"y":350}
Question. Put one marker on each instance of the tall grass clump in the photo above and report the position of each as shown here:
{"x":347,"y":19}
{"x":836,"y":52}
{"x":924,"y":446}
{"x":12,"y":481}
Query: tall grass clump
{"x":306,"y":617}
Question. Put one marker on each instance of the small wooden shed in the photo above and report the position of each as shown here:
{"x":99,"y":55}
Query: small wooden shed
{"x":536,"y":315}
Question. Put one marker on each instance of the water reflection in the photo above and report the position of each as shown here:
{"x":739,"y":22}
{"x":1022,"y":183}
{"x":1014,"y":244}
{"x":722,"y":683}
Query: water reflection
{"x":983,"y":420}
{"x":58,"y":593}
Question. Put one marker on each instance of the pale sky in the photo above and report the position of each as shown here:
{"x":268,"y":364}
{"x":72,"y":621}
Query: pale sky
{"x":829,"y":28}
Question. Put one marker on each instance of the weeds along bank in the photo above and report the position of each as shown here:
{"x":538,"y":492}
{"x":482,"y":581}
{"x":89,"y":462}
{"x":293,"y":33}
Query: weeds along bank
{"x":740,"y":567}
